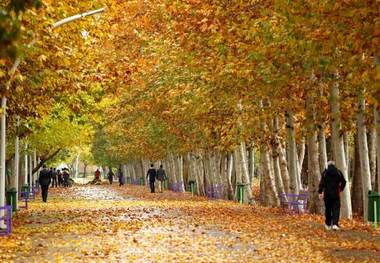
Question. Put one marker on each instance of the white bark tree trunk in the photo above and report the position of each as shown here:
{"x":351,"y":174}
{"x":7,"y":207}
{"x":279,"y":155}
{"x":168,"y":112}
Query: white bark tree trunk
{"x":26,"y":164}
{"x":363,"y":154}
{"x":301,"y":157}
{"x":377,"y":122}
{"x":271,"y":195}
{"x":284,"y":169}
{"x":230,"y":169}
{"x":338,"y":153}
{"x":17,"y":160}
{"x":252,"y":165}
{"x":276,"y":158}
{"x":292,"y":154}
{"x":245,"y":172}
{"x":180,"y":173}
{"x":314,"y":203}
{"x":372,"y":150}
{"x":3,"y":157}
{"x":322,"y":149}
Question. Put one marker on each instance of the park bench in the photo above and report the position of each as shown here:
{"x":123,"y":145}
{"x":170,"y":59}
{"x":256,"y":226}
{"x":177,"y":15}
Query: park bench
{"x":25,"y":197}
{"x":7,"y":218}
{"x":294,"y":202}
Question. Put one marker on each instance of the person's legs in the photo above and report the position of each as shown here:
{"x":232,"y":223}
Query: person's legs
{"x":44,"y":189}
{"x":335,"y":212}
{"x":328,"y":212}
{"x":151,"y":183}
{"x":159,"y":186}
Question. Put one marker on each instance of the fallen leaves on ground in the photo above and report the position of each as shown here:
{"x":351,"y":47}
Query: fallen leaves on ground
{"x":129,"y":224}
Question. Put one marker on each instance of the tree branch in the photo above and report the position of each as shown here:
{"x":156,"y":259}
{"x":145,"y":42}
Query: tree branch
{"x":43,"y":161}
{"x":76,"y":17}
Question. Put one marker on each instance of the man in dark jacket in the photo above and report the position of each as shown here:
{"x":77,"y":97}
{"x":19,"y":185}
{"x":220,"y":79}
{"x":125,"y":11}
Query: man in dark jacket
{"x":54,"y":178}
{"x":152,"y":174}
{"x":161,"y":177}
{"x":44,"y":180}
{"x":332,"y":183}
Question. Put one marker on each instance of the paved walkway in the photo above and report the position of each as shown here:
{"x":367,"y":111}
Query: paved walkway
{"x":128,"y":224}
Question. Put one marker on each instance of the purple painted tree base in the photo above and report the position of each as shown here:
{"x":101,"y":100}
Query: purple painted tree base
{"x":7,"y":218}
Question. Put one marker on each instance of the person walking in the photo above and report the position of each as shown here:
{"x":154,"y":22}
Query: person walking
{"x":331,"y":184}
{"x":54,"y":182}
{"x":44,"y":180}
{"x":60,"y":180}
{"x":161,"y":177}
{"x":110,"y":175}
{"x":152,"y":174}
{"x":121,"y":177}
{"x":97,"y":175}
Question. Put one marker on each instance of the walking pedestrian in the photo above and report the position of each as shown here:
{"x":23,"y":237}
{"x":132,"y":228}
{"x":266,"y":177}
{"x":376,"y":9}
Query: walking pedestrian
{"x":152,"y":174}
{"x":331,"y":184}
{"x":60,"y":179}
{"x":97,"y":175}
{"x":66,"y":177}
{"x":54,"y":182}
{"x":161,"y":177}
{"x":121,"y":177}
{"x":44,"y":180}
{"x":110,"y":175}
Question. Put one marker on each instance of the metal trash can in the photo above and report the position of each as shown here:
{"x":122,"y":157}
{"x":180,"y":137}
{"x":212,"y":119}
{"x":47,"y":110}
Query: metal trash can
{"x":192,"y":187}
{"x":240,"y":192}
{"x":373,"y":206}
{"x":11,"y":198}
{"x":142,"y":181}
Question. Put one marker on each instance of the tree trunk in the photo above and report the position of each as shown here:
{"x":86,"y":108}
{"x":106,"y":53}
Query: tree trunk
{"x":270,"y":193}
{"x":230,"y":169}
{"x":338,"y":150}
{"x":245,"y":172}
{"x":377,"y":122}
{"x":322,"y":149}
{"x":252,"y":165}
{"x":276,"y":157}
{"x":363,"y":154}
{"x":301,"y":158}
{"x":357,"y":192}
{"x":292,"y":154}
{"x":181,"y":186}
{"x":284,"y":169}
{"x":372,"y":151}
{"x":314,"y":173}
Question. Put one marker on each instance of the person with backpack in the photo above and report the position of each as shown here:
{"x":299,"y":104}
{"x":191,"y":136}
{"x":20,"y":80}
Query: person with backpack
{"x":161,"y":177}
{"x":44,"y":180}
{"x":110,"y":175}
{"x":331,"y":184}
{"x":151,"y":174}
{"x":54,"y":175}
{"x":121,"y":176}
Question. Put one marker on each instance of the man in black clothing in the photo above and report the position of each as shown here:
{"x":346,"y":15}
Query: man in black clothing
{"x":332,"y":183}
{"x":54,"y":178}
{"x":161,"y":177}
{"x":44,"y":180}
{"x":152,"y":174}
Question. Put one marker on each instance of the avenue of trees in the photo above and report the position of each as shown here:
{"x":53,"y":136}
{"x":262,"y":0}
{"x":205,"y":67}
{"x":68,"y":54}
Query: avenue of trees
{"x":221,"y":92}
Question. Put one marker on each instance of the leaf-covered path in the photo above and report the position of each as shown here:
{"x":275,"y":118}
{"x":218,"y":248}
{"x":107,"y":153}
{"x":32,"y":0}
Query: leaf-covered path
{"x":112,"y":224}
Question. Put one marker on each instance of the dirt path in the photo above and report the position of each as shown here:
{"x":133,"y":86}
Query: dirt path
{"x":112,"y":224}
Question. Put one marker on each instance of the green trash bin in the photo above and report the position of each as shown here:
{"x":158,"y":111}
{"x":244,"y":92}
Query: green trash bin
{"x":166,"y":183}
{"x":25,"y":189}
{"x":142,"y":181}
{"x":11,"y":198}
{"x":373,"y":204}
{"x":240,"y":192}
{"x":192,"y":187}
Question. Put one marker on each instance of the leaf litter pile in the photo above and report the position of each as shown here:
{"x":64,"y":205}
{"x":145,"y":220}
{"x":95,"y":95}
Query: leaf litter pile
{"x":129,"y":224}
